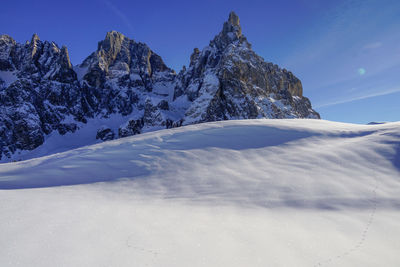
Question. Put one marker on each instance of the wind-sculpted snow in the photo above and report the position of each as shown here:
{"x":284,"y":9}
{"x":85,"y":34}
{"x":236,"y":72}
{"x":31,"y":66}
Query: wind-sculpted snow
{"x":270,"y":153}
{"x":232,"y":193}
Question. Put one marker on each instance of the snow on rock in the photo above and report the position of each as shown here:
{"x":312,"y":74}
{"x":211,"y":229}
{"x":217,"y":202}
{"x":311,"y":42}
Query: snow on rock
{"x":80,"y":72}
{"x":234,"y":193}
{"x":226,"y":78}
{"x":7,"y":77}
{"x":224,"y":81}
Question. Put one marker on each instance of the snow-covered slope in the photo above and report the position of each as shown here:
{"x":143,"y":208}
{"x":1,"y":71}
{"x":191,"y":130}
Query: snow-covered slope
{"x":233,"y":193}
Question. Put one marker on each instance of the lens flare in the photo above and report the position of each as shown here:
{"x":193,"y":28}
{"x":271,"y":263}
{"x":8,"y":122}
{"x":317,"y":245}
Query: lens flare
{"x":361,"y":71}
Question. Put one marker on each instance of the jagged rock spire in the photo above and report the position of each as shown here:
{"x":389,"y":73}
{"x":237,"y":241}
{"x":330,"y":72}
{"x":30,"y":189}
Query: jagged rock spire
{"x":231,"y":32}
{"x":65,"y":61}
{"x":33,"y":44}
{"x":117,"y":56}
{"x":194,"y":56}
{"x":234,"y":19}
{"x":111,"y":45}
{"x":232,"y":25}
{"x":228,"y":80}
{"x":6,"y":47}
{"x":35,"y":38}
{"x":112,"y":41}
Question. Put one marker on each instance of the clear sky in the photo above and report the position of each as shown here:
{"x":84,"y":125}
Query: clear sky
{"x":346,"y":52}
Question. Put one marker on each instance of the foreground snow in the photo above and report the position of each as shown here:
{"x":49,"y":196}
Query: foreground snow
{"x":235,"y":193}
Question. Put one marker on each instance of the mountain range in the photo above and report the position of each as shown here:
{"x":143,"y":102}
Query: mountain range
{"x":42,"y":93}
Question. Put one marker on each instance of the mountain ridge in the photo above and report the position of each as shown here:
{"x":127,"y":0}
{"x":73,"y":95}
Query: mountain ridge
{"x":41,"y":92}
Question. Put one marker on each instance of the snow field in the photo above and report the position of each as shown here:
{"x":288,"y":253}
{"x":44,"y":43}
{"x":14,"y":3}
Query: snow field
{"x":234,"y":193}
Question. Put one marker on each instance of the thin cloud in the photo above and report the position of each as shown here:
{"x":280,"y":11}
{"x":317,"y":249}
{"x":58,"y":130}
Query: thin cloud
{"x":388,"y":92}
{"x":372,"y":45}
{"x":119,"y":14}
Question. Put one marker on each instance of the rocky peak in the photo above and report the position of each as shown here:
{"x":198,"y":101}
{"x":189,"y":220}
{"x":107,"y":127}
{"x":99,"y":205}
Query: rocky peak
{"x":234,"y":19}
{"x":226,"y":80}
{"x":119,"y":57}
{"x":35,"y":38}
{"x":231,"y":32}
{"x":6,"y":39}
{"x":232,"y":25}
{"x":65,"y":61}
{"x":34,"y":44}
{"x":195,"y":55}
{"x":6,"y":47}
{"x":110,"y":47}
{"x":112,"y":42}
{"x":43,"y":60}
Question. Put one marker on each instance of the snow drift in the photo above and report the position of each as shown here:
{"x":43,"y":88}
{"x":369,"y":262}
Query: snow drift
{"x":232,"y":193}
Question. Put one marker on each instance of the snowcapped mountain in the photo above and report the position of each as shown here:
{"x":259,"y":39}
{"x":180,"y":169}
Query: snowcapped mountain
{"x":39,"y":93}
{"x":228,"y":80}
{"x":42,"y":94}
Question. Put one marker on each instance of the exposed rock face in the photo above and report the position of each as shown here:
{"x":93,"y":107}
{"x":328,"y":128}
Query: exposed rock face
{"x":105,"y":134}
{"x":227,"y":80}
{"x":41,"y":92}
{"x":119,"y":57}
{"x":132,"y":127}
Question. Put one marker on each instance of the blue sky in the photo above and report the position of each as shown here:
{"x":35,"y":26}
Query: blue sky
{"x":346,"y":53}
